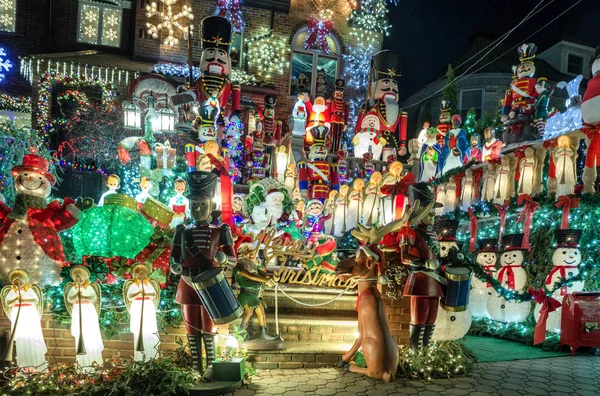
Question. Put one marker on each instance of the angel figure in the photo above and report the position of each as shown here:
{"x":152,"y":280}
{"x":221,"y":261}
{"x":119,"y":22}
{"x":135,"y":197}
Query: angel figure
{"x":83,"y":300}
{"x":141,"y":295}
{"x":440,"y":198}
{"x":564,"y":159}
{"x":489,"y":181}
{"x":330,"y":210}
{"x":527,"y":166}
{"x":291,"y":176}
{"x":341,"y":211}
{"x":372,"y":200}
{"x":22,"y":303}
{"x":502,"y":187}
{"x":355,"y":201}
{"x":467,"y":191}
{"x":450,"y":198}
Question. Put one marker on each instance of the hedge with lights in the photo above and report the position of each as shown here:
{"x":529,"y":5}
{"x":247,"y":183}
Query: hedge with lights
{"x":437,"y":360}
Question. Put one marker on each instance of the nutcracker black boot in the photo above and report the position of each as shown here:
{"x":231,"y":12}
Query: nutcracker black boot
{"x":210,"y":346}
{"x":428,"y":334}
{"x":264,"y":335}
{"x":417,"y":332}
{"x":195,"y":343}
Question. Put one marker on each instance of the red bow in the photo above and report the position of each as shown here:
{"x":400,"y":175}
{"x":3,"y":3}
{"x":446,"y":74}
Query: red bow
{"x":593,"y":150}
{"x":549,"y":145}
{"x":406,"y":235}
{"x":317,"y":34}
{"x":549,"y":304}
{"x":567,"y":203}
{"x":563,"y":274}
{"x":507,"y":269}
{"x":473,"y":220}
{"x":400,"y":187}
{"x":502,"y":212}
{"x":235,"y":13}
{"x":529,"y":206}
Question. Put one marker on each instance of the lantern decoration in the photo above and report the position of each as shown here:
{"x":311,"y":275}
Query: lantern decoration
{"x":133,"y":116}
{"x":166,"y":119}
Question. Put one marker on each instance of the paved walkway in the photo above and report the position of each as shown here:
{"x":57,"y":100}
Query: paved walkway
{"x":579,"y":375}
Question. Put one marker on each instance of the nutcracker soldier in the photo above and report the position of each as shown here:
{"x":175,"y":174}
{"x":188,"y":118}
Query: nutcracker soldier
{"x":269,"y":123}
{"x":338,"y":112}
{"x":257,"y":159}
{"x":445,"y":124}
{"x":392,"y":122}
{"x":317,"y":176}
{"x":199,"y":247}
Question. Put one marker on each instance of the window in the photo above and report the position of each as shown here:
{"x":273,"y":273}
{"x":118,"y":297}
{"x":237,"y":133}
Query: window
{"x":471,"y":98}
{"x":313,"y":70}
{"x":100,"y":24}
{"x":575,"y":64}
{"x":8,"y":15}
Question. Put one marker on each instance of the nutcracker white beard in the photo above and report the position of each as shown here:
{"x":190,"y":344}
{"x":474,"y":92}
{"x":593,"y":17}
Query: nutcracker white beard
{"x":391,"y":109}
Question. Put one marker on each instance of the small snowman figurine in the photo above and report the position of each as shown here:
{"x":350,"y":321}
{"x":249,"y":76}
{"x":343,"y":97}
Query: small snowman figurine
{"x":481,"y":292}
{"x":451,"y":323}
{"x":566,"y":259}
{"x":512,"y":276}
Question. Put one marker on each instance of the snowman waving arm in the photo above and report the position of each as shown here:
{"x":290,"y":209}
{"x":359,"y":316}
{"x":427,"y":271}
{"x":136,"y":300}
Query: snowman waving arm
{"x":63,"y":216}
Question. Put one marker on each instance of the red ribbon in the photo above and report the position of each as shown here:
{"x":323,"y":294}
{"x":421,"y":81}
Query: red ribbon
{"x":529,"y":206}
{"x":226,"y":189}
{"x":549,"y":145}
{"x":488,"y":269}
{"x":519,"y":154}
{"x":593,"y":150}
{"x":473,"y":229}
{"x":458,"y":180}
{"x":317,"y":34}
{"x":507,"y":270}
{"x":406,"y":235}
{"x":477,"y":174}
{"x":549,"y":304}
{"x":563,"y":274}
{"x":502,"y":212}
{"x":567,"y":203}
{"x":235,"y":13}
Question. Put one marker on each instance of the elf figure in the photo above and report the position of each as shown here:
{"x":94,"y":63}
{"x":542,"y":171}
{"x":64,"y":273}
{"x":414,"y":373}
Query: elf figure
{"x":590,"y":112}
{"x":491,"y":146}
{"x":179,"y":204}
{"x":430,"y":157}
{"x":314,"y":221}
{"x":83,"y":300}
{"x":142,"y":296}
{"x":372,"y":200}
{"x":317,"y":176}
{"x":338,"y":111}
{"x":29,"y":230}
{"x":512,"y":276}
{"x":392,"y":122}
{"x":566,"y":260}
{"x":564,"y":161}
{"x":544,"y":90}
{"x":481,"y":292}
{"x":455,"y":146}
{"x":527,"y":171}
{"x":474,"y":152}
{"x":445,"y":123}
{"x":113,"y":183}
{"x":23,"y":304}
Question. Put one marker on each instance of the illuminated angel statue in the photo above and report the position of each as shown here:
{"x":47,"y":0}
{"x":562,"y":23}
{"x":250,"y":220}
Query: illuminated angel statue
{"x":83,"y":300}
{"x":22,"y":303}
{"x":142,"y":295}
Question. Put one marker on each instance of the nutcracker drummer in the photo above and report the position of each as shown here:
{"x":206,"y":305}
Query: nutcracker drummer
{"x":215,"y":64}
{"x":386,"y":71}
{"x":317,"y":176}
{"x":338,"y":112}
{"x":199,"y":247}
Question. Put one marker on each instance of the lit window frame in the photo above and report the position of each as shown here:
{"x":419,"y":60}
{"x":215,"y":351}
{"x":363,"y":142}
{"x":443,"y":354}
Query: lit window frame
{"x":569,"y":54}
{"x":460,"y":100}
{"x":13,"y":27}
{"x":102,"y":7}
{"x":316,"y":53}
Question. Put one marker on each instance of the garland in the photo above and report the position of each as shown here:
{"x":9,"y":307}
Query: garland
{"x":437,"y":360}
{"x":522,"y":332}
{"x":453,"y":172}
{"x":19,"y":104}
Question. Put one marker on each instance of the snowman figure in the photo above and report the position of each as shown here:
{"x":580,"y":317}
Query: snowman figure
{"x":28,"y":231}
{"x":450,"y":324}
{"x":368,"y":139}
{"x":566,"y":259}
{"x":512,"y":276}
{"x":481,"y":292}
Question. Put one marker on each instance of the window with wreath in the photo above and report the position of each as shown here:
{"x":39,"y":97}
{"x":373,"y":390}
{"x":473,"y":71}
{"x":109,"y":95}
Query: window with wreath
{"x":8,"y":15}
{"x":100,"y":22}
{"x":312,"y":70}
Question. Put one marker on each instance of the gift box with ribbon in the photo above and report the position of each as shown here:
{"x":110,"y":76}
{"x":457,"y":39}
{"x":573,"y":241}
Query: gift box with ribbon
{"x":165,"y":155}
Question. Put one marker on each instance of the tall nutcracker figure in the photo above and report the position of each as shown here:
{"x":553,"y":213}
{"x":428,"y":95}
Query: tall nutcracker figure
{"x":215,"y":66}
{"x":272,"y":134}
{"x":197,"y":248}
{"x":317,"y":176}
{"x":445,"y":124}
{"x":392,"y":122}
{"x":338,"y":112}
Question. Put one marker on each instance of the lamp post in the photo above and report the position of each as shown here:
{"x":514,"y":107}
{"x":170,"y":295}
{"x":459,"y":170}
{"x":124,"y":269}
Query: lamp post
{"x":155,"y":121}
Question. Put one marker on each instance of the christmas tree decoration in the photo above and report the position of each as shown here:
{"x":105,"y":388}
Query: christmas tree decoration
{"x":83,"y":300}
{"x":267,"y":54}
{"x":171,"y":23}
{"x":22,"y":302}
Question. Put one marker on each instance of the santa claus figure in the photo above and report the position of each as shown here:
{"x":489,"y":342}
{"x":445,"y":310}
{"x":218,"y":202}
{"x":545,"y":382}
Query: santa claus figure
{"x":28,"y":231}
{"x":317,"y":176}
{"x":392,"y":122}
{"x":275,"y":211}
{"x":590,"y":112}
{"x":318,"y":115}
{"x":338,"y":112}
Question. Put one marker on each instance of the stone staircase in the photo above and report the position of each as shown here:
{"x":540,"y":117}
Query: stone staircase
{"x":313,"y":336}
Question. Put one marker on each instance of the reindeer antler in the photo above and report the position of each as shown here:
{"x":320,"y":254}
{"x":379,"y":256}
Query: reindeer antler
{"x":374,"y":235}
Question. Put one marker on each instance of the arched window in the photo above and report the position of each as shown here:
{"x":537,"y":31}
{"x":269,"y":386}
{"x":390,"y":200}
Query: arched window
{"x":312,"y":70}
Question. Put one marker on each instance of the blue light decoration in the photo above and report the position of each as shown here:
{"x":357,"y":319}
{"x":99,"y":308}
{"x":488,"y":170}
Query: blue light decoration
{"x":5,"y":64}
{"x":570,"y":120}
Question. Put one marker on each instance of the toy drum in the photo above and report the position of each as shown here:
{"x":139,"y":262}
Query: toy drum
{"x":457,"y":290}
{"x":217,"y":296}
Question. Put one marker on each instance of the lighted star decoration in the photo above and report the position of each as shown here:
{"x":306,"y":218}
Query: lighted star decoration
{"x":171,"y":23}
{"x":5,"y":64}
{"x":267,"y":54}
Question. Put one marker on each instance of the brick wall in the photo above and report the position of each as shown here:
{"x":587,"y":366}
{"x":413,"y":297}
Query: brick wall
{"x":399,"y":317}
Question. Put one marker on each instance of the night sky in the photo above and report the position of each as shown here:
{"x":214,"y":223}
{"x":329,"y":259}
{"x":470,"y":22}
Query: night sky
{"x":430,"y":33}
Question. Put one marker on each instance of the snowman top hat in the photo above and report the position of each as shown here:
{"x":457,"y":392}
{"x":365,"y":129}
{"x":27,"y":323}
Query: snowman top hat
{"x":488,"y":245}
{"x":512,"y":242}
{"x":446,"y":229}
{"x":34,"y":163}
{"x":568,"y":238}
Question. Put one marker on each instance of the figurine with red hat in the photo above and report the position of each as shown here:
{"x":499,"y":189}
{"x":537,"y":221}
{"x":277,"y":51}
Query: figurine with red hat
{"x":512,"y":276}
{"x":317,"y":176}
{"x":29,"y":230}
{"x":338,"y":112}
{"x":445,"y":122}
{"x":385,"y":68}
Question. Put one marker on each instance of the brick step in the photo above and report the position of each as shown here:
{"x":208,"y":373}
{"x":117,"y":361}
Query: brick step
{"x":312,"y":329}
{"x":298,"y":354}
